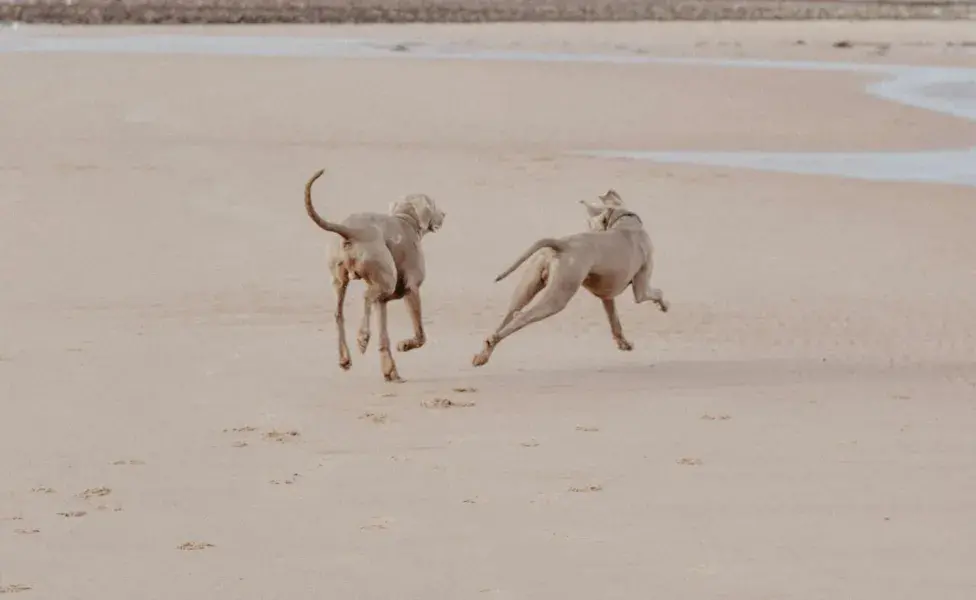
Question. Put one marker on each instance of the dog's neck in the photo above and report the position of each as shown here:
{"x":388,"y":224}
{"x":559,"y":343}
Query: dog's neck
{"x":413,"y":221}
{"x":620,"y":214}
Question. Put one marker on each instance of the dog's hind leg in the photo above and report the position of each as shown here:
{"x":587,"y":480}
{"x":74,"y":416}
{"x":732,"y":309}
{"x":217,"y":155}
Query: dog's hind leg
{"x":643,"y":292}
{"x":386,"y":357}
{"x":340,"y":283}
{"x":531,"y":284}
{"x":610,"y":306}
{"x":412,"y":298}
{"x":555,"y":298}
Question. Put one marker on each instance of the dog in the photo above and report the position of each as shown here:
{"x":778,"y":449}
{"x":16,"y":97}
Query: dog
{"x":614,"y":253}
{"x":385,"y":252}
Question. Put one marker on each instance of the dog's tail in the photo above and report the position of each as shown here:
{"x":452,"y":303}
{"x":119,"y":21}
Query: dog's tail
{"x":557,"y":245}
{"x":342,"y":230}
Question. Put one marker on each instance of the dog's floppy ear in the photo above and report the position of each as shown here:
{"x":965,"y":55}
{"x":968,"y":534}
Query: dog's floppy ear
{"x":423,"y":210}
{"x":612,"y":198}
{"x":406,"y":206}
{"x":592,"y":209}
{"x":419,"y":207}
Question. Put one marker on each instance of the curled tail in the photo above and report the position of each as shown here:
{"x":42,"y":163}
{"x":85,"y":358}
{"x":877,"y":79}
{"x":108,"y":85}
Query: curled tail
{"x":342,"y":230}
{"x":557,"y":245}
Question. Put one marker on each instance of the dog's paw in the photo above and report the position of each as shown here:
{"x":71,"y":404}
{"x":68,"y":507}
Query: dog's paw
{"x":408,"y":345}
{"x":664,"y":306}
{"x":345,"y":363}
{"x":624,"y":345}
{"x":363,"y":341}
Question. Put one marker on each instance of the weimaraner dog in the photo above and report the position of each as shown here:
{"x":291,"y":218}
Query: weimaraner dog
{"x":614,"y":253}
{"x":385,"y":252}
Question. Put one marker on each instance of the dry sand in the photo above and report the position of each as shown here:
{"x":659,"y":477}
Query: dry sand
{"x":174,"y":423}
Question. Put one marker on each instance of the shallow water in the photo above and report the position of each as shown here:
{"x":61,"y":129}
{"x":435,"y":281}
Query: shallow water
{"x":946,"y":90}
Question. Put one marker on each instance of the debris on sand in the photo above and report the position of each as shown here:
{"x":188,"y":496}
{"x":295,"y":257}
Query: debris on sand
{"x":465,"y":390}
{"x":71,"y":514}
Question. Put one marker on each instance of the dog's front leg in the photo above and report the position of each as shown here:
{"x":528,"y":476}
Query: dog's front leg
{"x":643,"y":292}
{"x":610,"y":306}
{"x":386,"y":357}
{"x":412,"y":298}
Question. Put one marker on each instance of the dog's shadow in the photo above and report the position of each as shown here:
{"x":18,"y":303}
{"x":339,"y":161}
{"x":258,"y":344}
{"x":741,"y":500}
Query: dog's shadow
{"x":692,"y":374}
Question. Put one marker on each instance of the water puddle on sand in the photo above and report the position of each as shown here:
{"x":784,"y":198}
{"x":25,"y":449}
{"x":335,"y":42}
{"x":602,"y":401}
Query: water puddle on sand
{"x":946,"y":90}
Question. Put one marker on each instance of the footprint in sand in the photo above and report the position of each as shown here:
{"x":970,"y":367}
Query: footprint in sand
{"x":72,"y":514}
{"x":134,"y":462}
{"x":377,"y":524}
{"x":43,"y":490}
{"x":291,"y":480}
{"x":465,"y":390}
{"x":378,"y":418}
{"x":587,"y":429}
{"x":280,"y":436}
{"x":586,"y":488}
{"x":195,"y":546}
{"x":95,"y":492}
{"x":243,"y":429}
{"x":529,"y":444}
{"x":690,"y":462}
{"x":708,"y":417}
{"x":445,"y":403}
{"x":26,"y":531}
{"x":14,"y":588}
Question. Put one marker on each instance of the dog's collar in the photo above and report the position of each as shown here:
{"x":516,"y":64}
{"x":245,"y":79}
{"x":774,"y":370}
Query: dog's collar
{"x":621,"y":215}
{"x":412,"y":220}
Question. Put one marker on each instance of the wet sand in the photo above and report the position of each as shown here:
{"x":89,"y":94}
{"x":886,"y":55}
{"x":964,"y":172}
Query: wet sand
{"x":176,"y":426}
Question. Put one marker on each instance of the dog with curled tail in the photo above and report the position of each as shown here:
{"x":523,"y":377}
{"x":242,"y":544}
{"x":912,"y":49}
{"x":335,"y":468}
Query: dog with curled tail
{"x":385,"y":252}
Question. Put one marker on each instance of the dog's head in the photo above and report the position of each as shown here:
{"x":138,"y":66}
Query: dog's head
{"x":602,"y":216}
{"x":422,"y":209}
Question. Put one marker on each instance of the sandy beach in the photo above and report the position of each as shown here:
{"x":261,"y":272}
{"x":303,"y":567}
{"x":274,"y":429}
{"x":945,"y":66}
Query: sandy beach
{"x":175,"y":425}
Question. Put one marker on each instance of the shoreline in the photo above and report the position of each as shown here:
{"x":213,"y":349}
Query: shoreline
{"x":471,"y":11}
{"x":945,"y":90}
